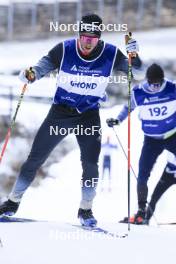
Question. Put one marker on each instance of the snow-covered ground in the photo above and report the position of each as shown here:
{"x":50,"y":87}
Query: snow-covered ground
{"x":44,"y":243}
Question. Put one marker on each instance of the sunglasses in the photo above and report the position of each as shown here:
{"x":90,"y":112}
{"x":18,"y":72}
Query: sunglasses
{"x":155,"y":86}
{"x":90,"y":40}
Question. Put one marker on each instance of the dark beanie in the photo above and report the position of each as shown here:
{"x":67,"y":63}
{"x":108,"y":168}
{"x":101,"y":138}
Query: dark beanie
{"x":154,"y":73}
{"x":95,"y":24}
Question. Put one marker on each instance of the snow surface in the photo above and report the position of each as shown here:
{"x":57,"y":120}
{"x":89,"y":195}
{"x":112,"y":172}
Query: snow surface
{"x":44,"y":243}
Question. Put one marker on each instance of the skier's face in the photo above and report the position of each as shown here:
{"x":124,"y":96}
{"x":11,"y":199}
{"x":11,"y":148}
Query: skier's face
{"x":155,"y":86}
{"x":88,"y":42}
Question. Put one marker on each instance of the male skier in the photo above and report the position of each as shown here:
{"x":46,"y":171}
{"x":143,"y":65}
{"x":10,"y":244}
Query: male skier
{"x":156,"y":100}
{"x":81,"y":63}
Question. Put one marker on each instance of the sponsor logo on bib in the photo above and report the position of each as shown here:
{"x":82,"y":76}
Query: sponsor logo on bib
{"x":83,"y":85}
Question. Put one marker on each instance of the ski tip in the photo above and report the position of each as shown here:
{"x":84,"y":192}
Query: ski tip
{"x":11,"y":219}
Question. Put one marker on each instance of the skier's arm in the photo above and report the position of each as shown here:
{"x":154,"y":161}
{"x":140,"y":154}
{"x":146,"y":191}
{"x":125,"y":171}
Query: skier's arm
{"x":45,"y":65}
{"x":50,"y":62}
{"x":121,"y":64}
{"x":123,"y":113}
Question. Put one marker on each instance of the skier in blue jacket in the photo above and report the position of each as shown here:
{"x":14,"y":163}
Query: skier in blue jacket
{"x":81,"y":64}
{"x":156,"y":100}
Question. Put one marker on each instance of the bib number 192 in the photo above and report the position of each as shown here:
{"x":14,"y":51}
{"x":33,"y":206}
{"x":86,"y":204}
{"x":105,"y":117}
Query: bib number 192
{"x":157,"y":111}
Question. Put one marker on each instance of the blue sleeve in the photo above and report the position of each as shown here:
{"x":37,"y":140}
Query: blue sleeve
{"x":49,"y":62}
{"x":113,"y":146}
{"x":124,"y":112}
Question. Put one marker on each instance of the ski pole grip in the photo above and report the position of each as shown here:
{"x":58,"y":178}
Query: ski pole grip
{"x":128,"y":37}
{"x":30,"y":75}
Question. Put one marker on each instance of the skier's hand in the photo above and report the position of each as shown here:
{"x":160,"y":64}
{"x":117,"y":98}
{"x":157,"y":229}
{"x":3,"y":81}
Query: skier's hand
{"x":27,"y":76}
{"x":132,"y":47}
{"x":112,"y":122}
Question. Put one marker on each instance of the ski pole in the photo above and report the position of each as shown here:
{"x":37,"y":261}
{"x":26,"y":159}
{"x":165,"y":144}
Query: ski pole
{"x":127,"y":37}
{"x":9,"y":131}
{"x":124,"y":152}
{"x":131,"y":167}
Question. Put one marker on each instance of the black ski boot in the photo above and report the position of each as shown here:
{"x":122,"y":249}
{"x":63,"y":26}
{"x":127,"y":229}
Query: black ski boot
{"x":9,"y":208}
{"x":137,"y":219}
{"x":140,"y":217}
{"x":86,"y":217}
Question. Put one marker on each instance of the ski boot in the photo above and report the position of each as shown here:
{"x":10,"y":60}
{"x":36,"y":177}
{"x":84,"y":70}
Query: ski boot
{"x":86,"y":217}
{"x":138,"y":219}
{"x":8,"y":208}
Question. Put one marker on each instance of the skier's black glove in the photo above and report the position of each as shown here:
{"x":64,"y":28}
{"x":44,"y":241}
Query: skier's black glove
{"x":112,"y":122}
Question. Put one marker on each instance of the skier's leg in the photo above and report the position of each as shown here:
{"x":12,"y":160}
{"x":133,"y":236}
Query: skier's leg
{"x":103,"y":172}
{"x":150,"y":151}
{"x":103,"y":177}
{"x":109,"y":176}
{"x":43,"y":144}
{"x":90,"y":146}
{"x":166,"y":181}
{"x":168,"y":177}
{"x":170,"y":144}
